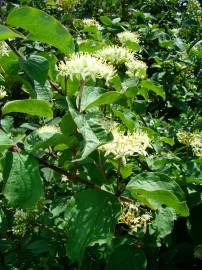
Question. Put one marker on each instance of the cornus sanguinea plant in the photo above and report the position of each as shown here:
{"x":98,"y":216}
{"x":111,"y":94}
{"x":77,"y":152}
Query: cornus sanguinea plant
{"x":100,"y":135}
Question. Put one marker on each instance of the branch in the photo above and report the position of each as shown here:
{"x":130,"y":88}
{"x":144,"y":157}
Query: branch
{"x":18,"y":53}
{"x":72,"y":178}
{"x":77,"y":179}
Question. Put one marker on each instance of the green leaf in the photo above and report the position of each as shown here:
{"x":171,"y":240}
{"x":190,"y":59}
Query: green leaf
{"x":129,"y":87}
{"x":36,"y":141}
{"x":168,"y":140}
{"x":106,"y":20}
{"x":130,"y":124}
{"x":90,"y":46}
{"x":91,"y":141}
{"x":5,"y":142}
{"x":96,"y":96}
{"x":6,"y":33}
{"x":67,"y":125}
{"x":151,"y":85}
{"x":91,"y":220}
{"x":9,"y":63}
{"x":163,"y":223}
{"x":126,"y":170}
{"x":127,"y":257}
{"x":23,"y":184}
{"x":43,"y":92}
{"x":30,"y":106}
{"x":166,"y":43}
{"x":36,"y":67}
{"x":157,"y":189}
{"x":134,"y":46}
{"x":39,"y":247}
{"x":42,"y":27}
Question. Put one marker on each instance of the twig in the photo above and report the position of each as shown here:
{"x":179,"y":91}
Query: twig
{"x":65,"y":85}
{"x":118,"y":178}
{"x":82,"y":83}
{"x":73,"y":178}
{"x":55,"y":87}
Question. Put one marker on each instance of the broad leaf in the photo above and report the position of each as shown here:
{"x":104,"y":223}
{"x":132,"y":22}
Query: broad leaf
{"x":43,"y":92}
{"x":163,"y":223}
{"x":156,"y":189}
{"x":42,"y":27}
{"x":91,"y":141}
{"x":130,"y":124}
{"x":96,"y":96}
{"x":36,"y":67}
{"x":5,"y":142}
{"x":9,"y":63}
{"x":134,"y":46}
{"x":6,"y":33}
{"x":92,"y":219}
{"x":151,"y":85}
{"x":37,"y":140}
{"x":127,"y":257}
{"x":30,"y":106}
{"x":23,"y":184}
{"x":106,"y":20}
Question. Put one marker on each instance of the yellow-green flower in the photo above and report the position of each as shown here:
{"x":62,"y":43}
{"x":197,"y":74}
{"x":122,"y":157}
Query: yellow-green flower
{"x":191,"y":139}
{"x":196,"y":144}
{"x":133,"y":217}
{"x":4,"y":49}
{"x":136,"y":68}
{"x":123,"y":145}
{"x":91,"y":22}
{"x":126,"y":36}
{"x":115,"y":55}
{"x":3,"y":93}
{"x":184,"y":137}
{"x":48,"y":129}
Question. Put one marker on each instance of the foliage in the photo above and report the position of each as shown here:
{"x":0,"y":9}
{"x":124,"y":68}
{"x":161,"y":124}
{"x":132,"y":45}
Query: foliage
{"x":100,"y":134}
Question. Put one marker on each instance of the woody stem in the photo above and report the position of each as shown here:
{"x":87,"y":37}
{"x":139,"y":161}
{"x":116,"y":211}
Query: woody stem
{"x":82,"y":84}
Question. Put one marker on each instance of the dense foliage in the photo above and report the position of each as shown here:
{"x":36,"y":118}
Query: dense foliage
{"x":100,"y":134}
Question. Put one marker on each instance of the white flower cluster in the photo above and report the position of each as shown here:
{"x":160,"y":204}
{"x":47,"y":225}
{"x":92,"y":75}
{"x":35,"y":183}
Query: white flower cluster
{"x":193,"y":6}
{"x":191,"y":139}
{"x":136,"y":68}
{"x":184,"y":137}
{"x":119,"y":55}
{"x":48,"y":129}
{"x":4,"y":49}
{"x":127,"y":145}
{"x":196,"y":144}
{"x":68,"y":3}
{"x":126,"y":36}
{"x":133,"y":218}
{"x":85,"y":66}
{"x":3,"y":93}
{"x":115,"y":55}
{"x":91,"y":22}
{"x":198,"y":252}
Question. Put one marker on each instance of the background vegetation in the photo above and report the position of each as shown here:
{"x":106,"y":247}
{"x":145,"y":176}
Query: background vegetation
{"x":100,"y":161}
